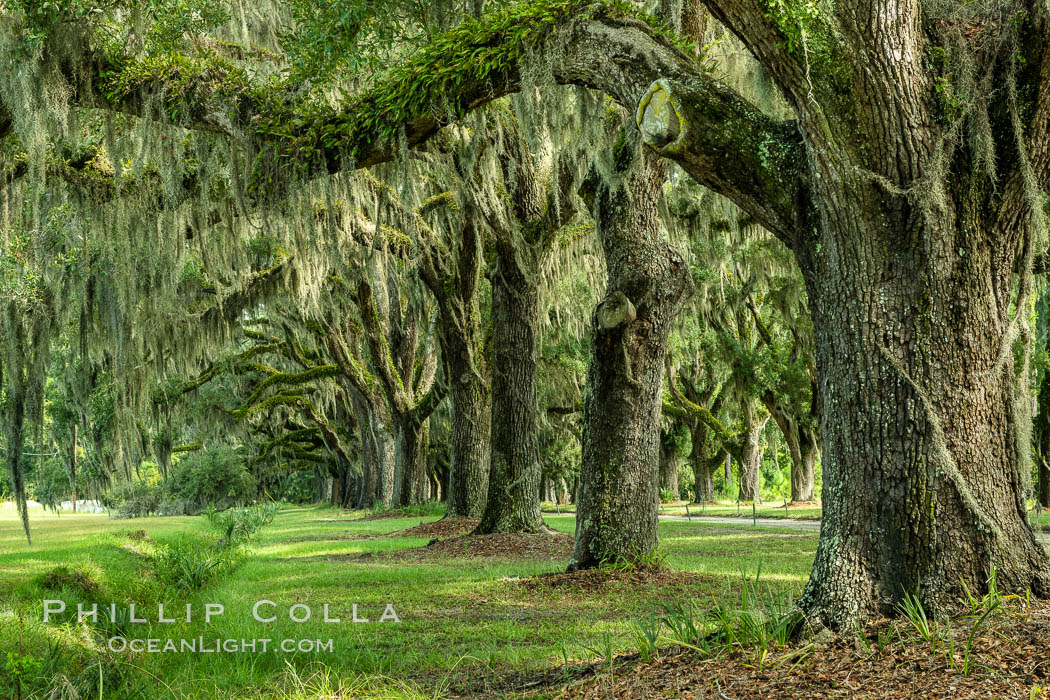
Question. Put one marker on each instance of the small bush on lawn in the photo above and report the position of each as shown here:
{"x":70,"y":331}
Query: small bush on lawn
{"x":188,"y":563}
{"x":135,"y":500}
{"x":215,"y":476}
{"x":239,"y":524}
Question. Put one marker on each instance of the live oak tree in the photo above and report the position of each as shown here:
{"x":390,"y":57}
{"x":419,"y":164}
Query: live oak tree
{"x":536,"y":202}
{"x":648,"y":283}
{"x":914,"y":242}
{"x":450,"y":258}
{"x":908,"y":198}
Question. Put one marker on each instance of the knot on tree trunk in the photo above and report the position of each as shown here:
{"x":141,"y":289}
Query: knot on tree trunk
{"x":616,"y":310}
{"x":659,"y":119}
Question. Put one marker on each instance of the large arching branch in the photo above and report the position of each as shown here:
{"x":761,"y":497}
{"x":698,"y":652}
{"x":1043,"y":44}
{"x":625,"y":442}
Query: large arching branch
{"x":722,"y":140}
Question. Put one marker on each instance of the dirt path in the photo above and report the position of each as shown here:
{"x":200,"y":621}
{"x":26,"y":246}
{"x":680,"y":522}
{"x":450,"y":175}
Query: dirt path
{"x":779,"y":523}
{"x":785,"y":524}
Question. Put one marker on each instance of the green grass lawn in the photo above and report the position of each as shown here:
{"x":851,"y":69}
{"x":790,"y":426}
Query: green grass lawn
{"x":463,"y":619}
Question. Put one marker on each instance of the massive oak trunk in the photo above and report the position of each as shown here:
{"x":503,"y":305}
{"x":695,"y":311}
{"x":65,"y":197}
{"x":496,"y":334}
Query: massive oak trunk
{"x":384,"y":442}
{"x":522,"y":238}
{"x":513,"y":503}
{"x":923,"y":466}
{"x":913,"y":254}
{"x":469,"y":445}
{"x":373,"y":454}
{"x":649,"y":281}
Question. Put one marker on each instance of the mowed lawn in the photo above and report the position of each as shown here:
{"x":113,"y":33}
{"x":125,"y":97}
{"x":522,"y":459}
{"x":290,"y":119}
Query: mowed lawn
{"x":464,"y":620}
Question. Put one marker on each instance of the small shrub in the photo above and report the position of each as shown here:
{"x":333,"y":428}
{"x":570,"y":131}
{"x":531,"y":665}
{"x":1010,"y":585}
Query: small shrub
{"x":216,"y":476}
{"x":239,"y":524}
{"x":188,"y":565}
{"x":18,"y":669}
{"x":134,"y":500}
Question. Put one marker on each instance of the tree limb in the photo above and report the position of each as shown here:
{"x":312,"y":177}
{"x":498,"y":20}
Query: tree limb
{"x":597,"y":46}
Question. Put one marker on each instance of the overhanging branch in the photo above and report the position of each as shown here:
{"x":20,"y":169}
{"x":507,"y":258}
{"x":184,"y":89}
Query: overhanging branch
{"x":720,"y":139}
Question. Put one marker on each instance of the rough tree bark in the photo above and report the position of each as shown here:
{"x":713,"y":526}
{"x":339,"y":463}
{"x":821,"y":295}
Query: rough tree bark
{"x":411,"y":437}
{"x":537,"y":210}
{"x":909,"y":260}
{"x":383,"y":437}
{"x":513,"y":504}
{"x":751,"y":452}
{"x":648,"y":283}
{"x":452,"y":274}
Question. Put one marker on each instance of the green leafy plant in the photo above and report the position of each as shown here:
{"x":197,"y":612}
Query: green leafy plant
{"x":187,"y":565}
{"x":18,"y":669}
{"x":685,"y":626}
{"x":912,"y":610}
{"x":648,"y":636}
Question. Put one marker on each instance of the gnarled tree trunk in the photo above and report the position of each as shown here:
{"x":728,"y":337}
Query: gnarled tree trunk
{"x":522,"y":238}
{"x":925,"y":406}
{"x":452,"y":273}
{"x":469,"y":444}
{"x":648,"y":283}
{"x":386,"y":451}
{"x":911,"y":249}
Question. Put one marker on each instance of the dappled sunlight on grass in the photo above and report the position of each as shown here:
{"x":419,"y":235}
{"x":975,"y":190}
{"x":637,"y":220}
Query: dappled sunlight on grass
{"x":455,"y":611}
